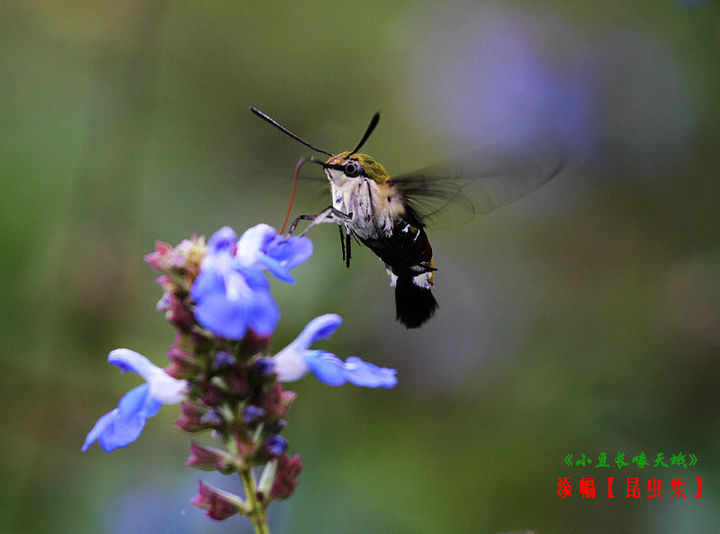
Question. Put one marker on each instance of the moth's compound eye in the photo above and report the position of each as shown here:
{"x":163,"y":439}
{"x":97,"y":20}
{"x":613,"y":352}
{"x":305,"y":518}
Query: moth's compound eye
{"x":352,"y":169}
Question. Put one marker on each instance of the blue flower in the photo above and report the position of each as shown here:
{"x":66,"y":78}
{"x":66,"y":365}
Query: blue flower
{"x":230,"y":293}
{"x":123,"y":425}
{"x":332,"y":371}
{"x":230,"y":297}
{"x":223,"y":239}
{"x":295,"y":360}
{"x":263,"y":248}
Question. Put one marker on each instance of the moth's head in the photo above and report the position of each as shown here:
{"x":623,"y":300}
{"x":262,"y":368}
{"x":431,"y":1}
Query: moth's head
{"x":356,"y":165}
{"x":345,"y":165}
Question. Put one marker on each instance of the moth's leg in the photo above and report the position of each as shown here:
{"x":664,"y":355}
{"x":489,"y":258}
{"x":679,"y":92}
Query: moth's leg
{"x":342,"y":241}
{"x":345,"y":243}
{"x":347,"y":247}
{"x":328,"y":215}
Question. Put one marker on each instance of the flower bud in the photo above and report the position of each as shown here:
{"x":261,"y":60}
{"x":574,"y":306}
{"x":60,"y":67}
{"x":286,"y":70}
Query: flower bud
{"x":244,"y":443}
{"x":254,"y":343}
{"x":275,"y":445}
{"x":218,"y":503}
{"x":212,"y":394}
{"x":164,"y":303}
{"x":222,"y":362}
{"x":191,"y":418}
{"x":209,"y":459}
{"x":285,"y":477}
{"x":263,"y":367}
{"x":275,"y":401}
{"x":237,"y":383}
{"x":212,"y":419}
{"x":275,"y":427}
{"x":179,"y":315}
{"x":182,"y":363}
{"x":252,"y":414}
{"x":161,"y":259}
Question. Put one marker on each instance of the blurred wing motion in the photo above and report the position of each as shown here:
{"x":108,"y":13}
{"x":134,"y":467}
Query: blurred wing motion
{"x":478,"y":181}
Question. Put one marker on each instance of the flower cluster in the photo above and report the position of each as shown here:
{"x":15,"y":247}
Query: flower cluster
{"x":218,"y":298}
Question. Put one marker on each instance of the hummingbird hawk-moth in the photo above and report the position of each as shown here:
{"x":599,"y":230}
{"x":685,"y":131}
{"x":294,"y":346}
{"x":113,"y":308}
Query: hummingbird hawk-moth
{"x":388,"y":214}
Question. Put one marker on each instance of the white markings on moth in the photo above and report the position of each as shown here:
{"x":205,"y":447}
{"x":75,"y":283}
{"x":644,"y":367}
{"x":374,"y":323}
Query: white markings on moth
{"x":373,"y":209}
{"x":423,"y":280}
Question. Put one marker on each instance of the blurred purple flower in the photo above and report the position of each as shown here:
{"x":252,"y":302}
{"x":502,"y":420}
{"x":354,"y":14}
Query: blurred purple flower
{"x":123,"y":425}
{"x":491,"y":83}
{"x":295,"y":360}
{"x":509,"y":79}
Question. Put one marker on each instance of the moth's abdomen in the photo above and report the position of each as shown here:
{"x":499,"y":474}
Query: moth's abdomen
{"x":414,"y":304}
{"x":407,"y":254}
{"x":406,"y":251}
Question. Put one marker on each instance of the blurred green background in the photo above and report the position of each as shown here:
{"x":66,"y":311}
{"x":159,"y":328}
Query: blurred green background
{"x":583,"y":319}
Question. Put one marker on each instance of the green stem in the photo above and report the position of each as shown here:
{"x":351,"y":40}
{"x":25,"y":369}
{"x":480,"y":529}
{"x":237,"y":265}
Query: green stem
{"x":256,"y":512}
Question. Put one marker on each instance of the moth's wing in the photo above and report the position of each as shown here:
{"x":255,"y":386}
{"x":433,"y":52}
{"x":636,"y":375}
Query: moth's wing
{"x":314,"y":190}
{"x":433,"y":191}
{"x":479,"y":181}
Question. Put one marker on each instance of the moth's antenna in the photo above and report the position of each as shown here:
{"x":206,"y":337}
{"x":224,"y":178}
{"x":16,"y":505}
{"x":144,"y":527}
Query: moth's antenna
{"x":373,"y":123}
{"x":286,"y":131}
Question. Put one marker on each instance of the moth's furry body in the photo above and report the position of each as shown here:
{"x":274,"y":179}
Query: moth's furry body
{"x":373,"y":207}
{"x":381,"y":219}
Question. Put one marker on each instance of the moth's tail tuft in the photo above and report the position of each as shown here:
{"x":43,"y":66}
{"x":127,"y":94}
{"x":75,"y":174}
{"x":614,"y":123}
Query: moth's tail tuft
{"x":414,"y":304}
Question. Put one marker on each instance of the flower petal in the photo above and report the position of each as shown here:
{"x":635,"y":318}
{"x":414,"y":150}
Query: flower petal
{"x":99,"y":428}
{"x":276,"y":268}
{"x":369,"y":375}
{"x":229,"y":296}
{"x":331,"y":370}
{"x":265,"y":314}
{"x":223,"y":239}
{"x":121,"y":433}
{"x":290,"y":365}
{"x":123,"y":425}
{"x":129,"y":360}
{"x":162,"y":387}
{"x":290,"y":362}
{"x":319,"y":328}
{"x":261,"y":247}
{"x":290,"y":252}
{"x":207,"y":282}
{"x":223,"y":317}
{"x":253,"y":241}
{"x":326,"y":367}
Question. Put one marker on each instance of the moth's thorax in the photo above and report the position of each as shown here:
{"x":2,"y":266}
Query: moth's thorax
{"x":372,"y":203}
